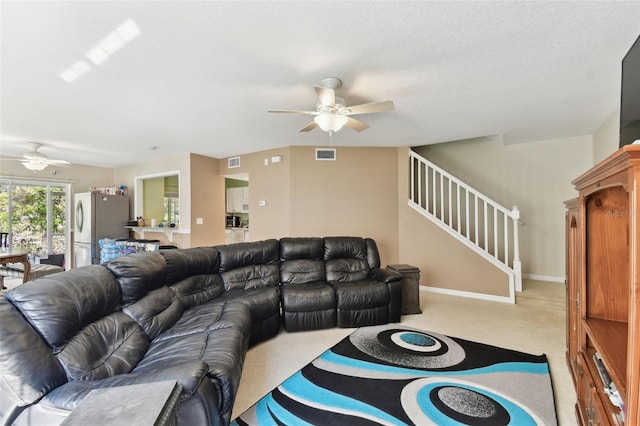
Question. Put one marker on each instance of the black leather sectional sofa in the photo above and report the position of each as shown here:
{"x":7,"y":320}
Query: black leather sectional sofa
{"x":187,"y":315}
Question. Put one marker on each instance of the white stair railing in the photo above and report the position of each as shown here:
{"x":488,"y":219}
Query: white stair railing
{"x":468,"y":215}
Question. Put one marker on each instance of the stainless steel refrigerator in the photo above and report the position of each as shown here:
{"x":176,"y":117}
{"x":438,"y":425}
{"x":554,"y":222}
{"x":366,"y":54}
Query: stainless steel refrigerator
{"x":97,"y":216}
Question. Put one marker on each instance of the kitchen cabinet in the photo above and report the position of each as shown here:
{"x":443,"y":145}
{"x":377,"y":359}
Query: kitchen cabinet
{"x":238,"y":200}
{"x":236,"y":235}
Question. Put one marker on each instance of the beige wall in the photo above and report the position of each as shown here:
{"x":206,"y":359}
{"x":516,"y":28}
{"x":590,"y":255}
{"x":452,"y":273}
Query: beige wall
{"x":354,"y":195}
{"x":606,"y":138}
{"x":207,"y":202}
{"x":269,"y":183}
{"x":536,"y":177}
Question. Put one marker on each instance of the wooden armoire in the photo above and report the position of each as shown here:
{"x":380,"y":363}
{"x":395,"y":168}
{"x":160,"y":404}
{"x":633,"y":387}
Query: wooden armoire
{"x":603,"y":293}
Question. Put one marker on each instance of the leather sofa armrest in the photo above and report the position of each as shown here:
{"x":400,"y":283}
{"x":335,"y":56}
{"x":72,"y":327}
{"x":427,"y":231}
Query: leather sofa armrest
{"x":188,"y":374}
{"x":385,"y":275}
{"x":393,"y":279}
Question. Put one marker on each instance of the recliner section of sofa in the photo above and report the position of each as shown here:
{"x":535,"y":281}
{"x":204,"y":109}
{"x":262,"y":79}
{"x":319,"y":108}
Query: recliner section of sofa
{"x":250,"y":272}
{"x":336,"y":281}
{"x":187,"y":314}
{"x":308,"y":301}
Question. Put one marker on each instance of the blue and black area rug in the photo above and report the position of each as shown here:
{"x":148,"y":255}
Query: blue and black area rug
{"x":393,"y":375}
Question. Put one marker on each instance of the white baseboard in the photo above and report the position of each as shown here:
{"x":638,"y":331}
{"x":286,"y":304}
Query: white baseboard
{"x":549,"y":278}
{"x":468,"y":294}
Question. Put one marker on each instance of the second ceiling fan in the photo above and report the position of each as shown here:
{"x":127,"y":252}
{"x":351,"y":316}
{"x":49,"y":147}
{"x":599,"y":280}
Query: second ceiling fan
{"x":332,"y":113}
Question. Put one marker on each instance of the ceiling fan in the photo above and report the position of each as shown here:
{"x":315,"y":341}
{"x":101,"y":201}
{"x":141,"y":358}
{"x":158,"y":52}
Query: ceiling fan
{"x":332,"y":113}
{"x":36,"y":161}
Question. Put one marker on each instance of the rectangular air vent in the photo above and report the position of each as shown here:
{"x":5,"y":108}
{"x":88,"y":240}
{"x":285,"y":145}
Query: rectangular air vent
{"x":326,"y":154}
{"x":233,"y":162}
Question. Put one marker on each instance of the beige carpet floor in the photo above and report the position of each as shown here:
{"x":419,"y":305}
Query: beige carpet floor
{"x":533,"y":328}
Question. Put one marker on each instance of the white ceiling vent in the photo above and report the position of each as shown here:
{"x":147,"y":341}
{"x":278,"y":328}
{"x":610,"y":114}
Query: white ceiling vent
{"x":327,"y":154}
{"x":233,"y":162}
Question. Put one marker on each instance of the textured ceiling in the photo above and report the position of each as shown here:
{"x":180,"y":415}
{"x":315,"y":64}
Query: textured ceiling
{"x":201,"y":76}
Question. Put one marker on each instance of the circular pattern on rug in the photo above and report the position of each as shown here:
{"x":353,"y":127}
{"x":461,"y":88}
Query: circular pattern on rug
{"x":409,"y":348}
{"x":416,"y":341}
{"x":442,"y":401}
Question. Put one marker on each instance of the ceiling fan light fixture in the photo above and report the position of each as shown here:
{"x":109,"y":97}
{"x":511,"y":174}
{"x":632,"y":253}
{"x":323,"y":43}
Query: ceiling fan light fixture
{"x":35,"y":166}
{"x":330,"y":122}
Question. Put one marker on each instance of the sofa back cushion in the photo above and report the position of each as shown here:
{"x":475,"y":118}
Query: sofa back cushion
{"x":346,"y":258}
{"x":198,"y":289}
{"x":184,"y":263}
{"x":28,"y":368}
{"x":373,"y":256}
{"x":78,"y":315}
{"x":107,"y":347}
{"x":250,"y":265}
{"x":138,"y":274}
{"x":156,"y":312}
{"x":59,"y":306}
{"x":301,"y":260}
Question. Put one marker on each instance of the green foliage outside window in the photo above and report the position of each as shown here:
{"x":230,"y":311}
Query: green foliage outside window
{"x":29,"y":217}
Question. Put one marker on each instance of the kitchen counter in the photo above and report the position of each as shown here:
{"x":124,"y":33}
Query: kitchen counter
{"x":236,"y":235}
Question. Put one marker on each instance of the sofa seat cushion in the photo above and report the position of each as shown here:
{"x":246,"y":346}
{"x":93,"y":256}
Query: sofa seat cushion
{"x":210,"y":316}
{"x":222,"y":349}
{"x":363,"y":294}
{"x":264,"y":306}
{"x":307,"y":297}
{"x":262,"y":302}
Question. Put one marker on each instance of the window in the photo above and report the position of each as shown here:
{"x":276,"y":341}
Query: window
{"x":171,"y":208}
{"x":34,"y":213}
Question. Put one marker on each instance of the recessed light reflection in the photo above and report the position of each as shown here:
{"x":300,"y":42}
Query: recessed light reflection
{"x":111,"y":43}
{"x":99,"y":53}
{"x":128,"y":30}
{"x":80,"y":67}
{"x":68,"y":75}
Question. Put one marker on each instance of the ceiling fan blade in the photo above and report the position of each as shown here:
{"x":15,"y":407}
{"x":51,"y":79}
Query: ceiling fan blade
{"x":57,"y":162}
{"x":309,"y":127}
{"x":326,"y":95}
{"x":370,"y":108}
{"x":294,"y":111}
{"x":356,"y":125}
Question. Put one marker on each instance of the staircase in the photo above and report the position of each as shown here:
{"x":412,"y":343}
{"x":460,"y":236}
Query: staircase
{"x":471,"y":217}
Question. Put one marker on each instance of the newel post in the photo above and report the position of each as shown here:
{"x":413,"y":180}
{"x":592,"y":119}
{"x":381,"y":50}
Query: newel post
{"x":517,"y":267}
